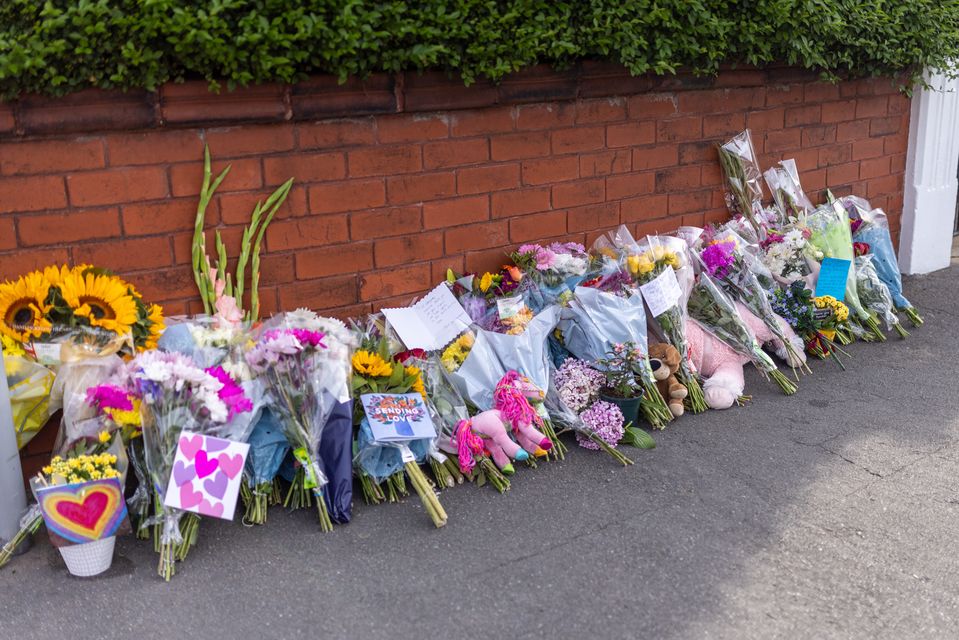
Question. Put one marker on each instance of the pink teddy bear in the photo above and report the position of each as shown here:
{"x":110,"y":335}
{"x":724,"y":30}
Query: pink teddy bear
{"x":722,"y":367}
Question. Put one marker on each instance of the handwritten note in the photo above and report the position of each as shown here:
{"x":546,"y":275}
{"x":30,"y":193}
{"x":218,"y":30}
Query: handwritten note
{"x":662,"y":293}
{"x":432,"y":322}
{"x":832,"y":278}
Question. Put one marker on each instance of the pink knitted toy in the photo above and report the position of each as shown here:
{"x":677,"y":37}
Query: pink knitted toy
{"x":722,"y":368}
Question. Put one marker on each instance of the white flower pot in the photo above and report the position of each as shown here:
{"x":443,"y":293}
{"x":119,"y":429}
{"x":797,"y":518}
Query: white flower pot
{"x":89,"y":558}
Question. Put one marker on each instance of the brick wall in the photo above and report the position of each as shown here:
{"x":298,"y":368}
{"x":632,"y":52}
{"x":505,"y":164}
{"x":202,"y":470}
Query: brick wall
{"x":400,"y":177}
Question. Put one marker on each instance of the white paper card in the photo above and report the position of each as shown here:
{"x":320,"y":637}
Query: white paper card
{"x":47,"y":353}
{"x":662,"y":293}
{"x":397,"y":417}
{"x":509,"y":307}
{"x":206,"y":475}
{"x":432,"y":322}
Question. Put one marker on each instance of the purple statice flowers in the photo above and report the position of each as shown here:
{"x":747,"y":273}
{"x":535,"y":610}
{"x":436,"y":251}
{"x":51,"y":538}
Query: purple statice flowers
{"x":605,"y":420}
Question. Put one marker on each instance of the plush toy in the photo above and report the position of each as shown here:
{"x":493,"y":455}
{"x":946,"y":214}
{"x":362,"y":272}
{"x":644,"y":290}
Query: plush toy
{"x":722,"y":367}
{"x":485,"y":434}
{"x":665,"y":359}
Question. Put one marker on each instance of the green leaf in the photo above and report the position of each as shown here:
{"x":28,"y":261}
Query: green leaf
{"x":638,"y":438}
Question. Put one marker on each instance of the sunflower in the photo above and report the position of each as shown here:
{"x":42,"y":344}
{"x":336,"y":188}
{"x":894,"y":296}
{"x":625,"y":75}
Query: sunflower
{"x":417,"y":384}
{"x":103,"y":300}
{"x":23,"y":307}
{"x":55,"y":275}
{"x":371,"y":364}
{"x":156,"y":327}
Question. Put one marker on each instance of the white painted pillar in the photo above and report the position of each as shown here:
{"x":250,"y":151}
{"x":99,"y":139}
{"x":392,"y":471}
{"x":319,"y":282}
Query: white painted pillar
{"x":13,"y":497}
{"x":929,"y":203}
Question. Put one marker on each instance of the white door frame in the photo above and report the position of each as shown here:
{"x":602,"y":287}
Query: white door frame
{"x":929,"y":201}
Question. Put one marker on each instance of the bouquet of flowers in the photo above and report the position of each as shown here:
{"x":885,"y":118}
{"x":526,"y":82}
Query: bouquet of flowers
{"x":304,"y":383}
{"x":660,"y":266}
{"x":495,"y":302}
{"x":783,"y":182}
{"x":872,"y":227}
{"x":830,"y":233}
{"x":555,"y":269}
{"x":789,"y":256}
{"x":743,"y":179}
{"x":376,"y":371}
{"x":718,"y":315}
{"x":729,"y":265}
{"x":30,"y":384}
{"x":816,"y":322}
{"x":874,"y":294}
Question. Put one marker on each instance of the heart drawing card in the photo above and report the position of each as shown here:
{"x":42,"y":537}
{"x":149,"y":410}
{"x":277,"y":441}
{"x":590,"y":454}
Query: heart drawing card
{"x":84,"y":511}
{"x":206,"y":475}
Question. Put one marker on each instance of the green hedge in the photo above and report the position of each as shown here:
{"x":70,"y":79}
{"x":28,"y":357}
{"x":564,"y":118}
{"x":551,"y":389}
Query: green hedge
{"x":59,"y":46}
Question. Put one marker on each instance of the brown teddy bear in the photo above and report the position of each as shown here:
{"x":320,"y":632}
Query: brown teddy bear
{"x":665,"y":359}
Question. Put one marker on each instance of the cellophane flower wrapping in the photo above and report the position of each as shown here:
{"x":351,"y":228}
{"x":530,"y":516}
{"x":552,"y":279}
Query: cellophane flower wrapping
{"x":874,"y":293}
{"x":874,"y":231}
{"x":30,"y":384}
{"x":830,"y":234}
{"x":555,"y":269}
{"x":744,"y":190}
{"x":783,"y":182}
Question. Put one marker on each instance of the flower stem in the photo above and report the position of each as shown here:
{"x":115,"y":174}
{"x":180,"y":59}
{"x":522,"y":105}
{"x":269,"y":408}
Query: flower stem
{"x":913,"y":316}
{"x":25,"y":532}
{"x":430,"y":501}
{"x":900,"y":330}
{"x":496,"y":478}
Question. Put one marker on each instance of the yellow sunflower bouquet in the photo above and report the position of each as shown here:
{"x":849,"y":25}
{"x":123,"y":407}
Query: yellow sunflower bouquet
{"x":91,"y":306}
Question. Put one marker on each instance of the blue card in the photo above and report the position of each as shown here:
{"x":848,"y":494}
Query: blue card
{"x":832,"y":278}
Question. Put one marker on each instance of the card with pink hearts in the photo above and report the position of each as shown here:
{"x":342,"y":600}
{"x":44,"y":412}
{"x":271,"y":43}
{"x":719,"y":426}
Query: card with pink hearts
{"x":206,"y":475}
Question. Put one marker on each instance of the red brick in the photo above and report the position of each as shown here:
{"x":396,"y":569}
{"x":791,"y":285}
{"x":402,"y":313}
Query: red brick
{"x":321,"y":294}
{"x":384,"y":283}
{"x":8,"y":234}
{"x":578,"y":139}
{"x":897,"y":163}
{"x":7,"y":121}
{"x":883,"y":185}
{"x":630,"y":134}
{"x":697,"y":152}
{"x":249,"y":140}
{"x":482,"y":122}
{"x":873,"y":168}
{"x":605,"y":163}
{"x":712,"y":175}
{"x":869,"y":148}
{"x":723,"y":124}
{"x":334,"y":260}
{"x":276,"y":269}
{"x":50,"y":156}
{"x":32,"y":193}
{"x":838,"y":111}
{"x":548,"y":170}
{"x":783,"y":94}
{"x":573,"y":194}
{"x":652,"y":106}
{"x":183,"y":243}
{"x":842,"y":173}
{"x":835,"y":154}
{"x":679,"y":129}
{"x":899,"y":103}
{"x":631,"y":184}
{"x":115,"y":186}
{"x":132,"y":254}
{"x":722,"y":100}
{"x":779,"y":141}
{"x":236,"y":208}
{"x":163,"y":217}
{"x":380,"y":223}
{"x":766,"y":120}
{"x":520,"y":202}
{"x":872,"y":107}
{"x":154,"y":147}
{"x":245,"y":174}
{"x":438,"y":267}
{"x":488,"y":178}
{"x":885,"y":126}
{"x":310,"y":231}
{"x":602,"y":110}
{"x":635,"y":209}
{"x":815,"y":136}
{"x":655,"y":157}
{"x":304,"y":167}
{"x":545,"y":116}
{"x":517,"y":146}
{"x":591,"y":217}
{"x":679,"y":178}
{"x":409,"y":128}
{"x":452,"y":153}
{"x":390,"y":252}
{"x":476,"y":236}
{"x":335,"y":133}
{"x":13,"y":265}
{"x":854,"y":130}
{"x":72,"y":226}
{"x":450,"y":213}
{"x":537,"y":226}
{"x":420,"y":187}
{"x":680,"y":203}
{"x":192,"y":102}
{"x":807,"y":114}
{"x":895,"y":144}
{"x":813,"y":181}
{"x":821,"y":92}
{"x":385,"y":160}
{"x":351,"y":195}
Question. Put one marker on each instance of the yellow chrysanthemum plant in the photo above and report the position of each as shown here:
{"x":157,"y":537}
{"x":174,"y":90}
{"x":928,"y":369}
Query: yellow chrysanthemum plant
{"x":82,"y":306}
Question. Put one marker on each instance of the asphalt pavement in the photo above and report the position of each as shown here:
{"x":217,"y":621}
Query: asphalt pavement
{"x":830,"y":514}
